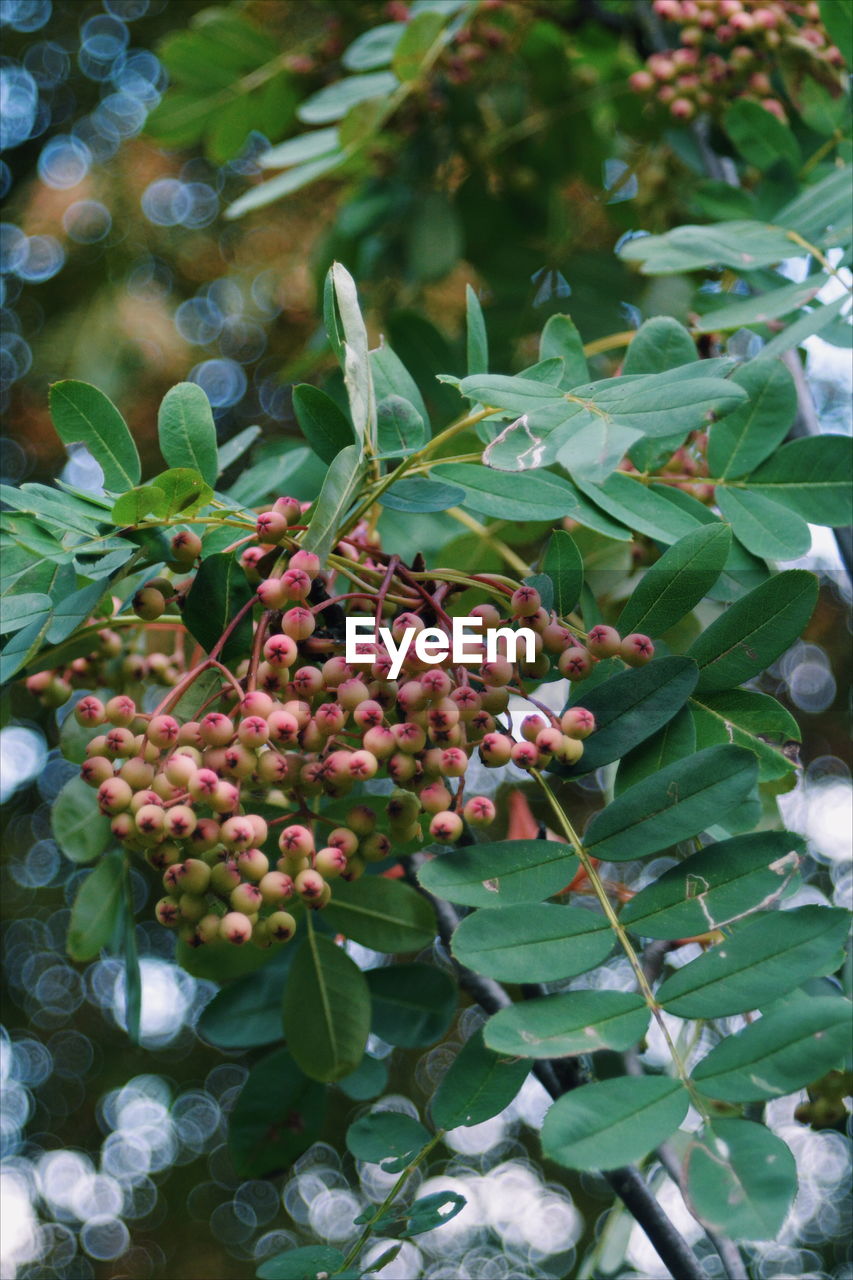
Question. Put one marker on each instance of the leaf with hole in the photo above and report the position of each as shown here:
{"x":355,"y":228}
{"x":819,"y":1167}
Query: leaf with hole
{"x":390,"y":1139}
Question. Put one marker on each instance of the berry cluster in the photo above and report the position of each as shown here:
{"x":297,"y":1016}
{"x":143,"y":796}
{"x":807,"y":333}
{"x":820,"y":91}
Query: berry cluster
{"x":732,"y":49}
{"x":225,"y":804}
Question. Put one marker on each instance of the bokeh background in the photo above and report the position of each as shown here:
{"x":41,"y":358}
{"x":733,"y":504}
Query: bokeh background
{"x":119,"y":267}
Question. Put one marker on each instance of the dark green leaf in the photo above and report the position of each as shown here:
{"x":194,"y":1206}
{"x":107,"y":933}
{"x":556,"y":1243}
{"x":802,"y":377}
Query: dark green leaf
{"x":563,"y":565}
{"x":811,"y":477}
{"x":681,"y":801}
{"x":770,"y":953}
{"x":413,"y":1004}
{"x":367,"y":1081}
{"x":608,"y":1124}
{"x":629,"y":707}
{"x":678,"y":581}
{"x":716,"y":885}
{"x":674,"y":741}
{"x":744,"y":438}
{"x":483,"y":875}
{"x":390,"y":1139}
{"x":760,"y":138}
{"x":400,"y":428}
{"x":576,"y":1022}
{"x":427,"y":1213}
{"x":302,"y":1264}
{"x":79,"y":829}
{"x":187,"y":431}
{"x":417,"y":493}
{"x":385,"y":915}
{"x":826,"y":205}
{"x":374,"y":47}
{"x":218,"y":592}
{"x":765,"y":528}
{"x":477,"y":339}
{"x":329,"y":1044}
{"x":740,"y":1179}
{"x":837,"y":17}
{"x":479,"y":1084}
{"x":659,"y":344}
{"x":640,"y":508}
{"x":278,"y":1114}
{"x":532,"y":942}
{"x":247,"y":1012}
{"x":748,"y":719}
{"x":340,"y":488}
{"x":97,"y":909}
{"x":755,"y":630}
{"x":780,"y":1053}
{"x":324,"y":425}
{"x":83,"y":414}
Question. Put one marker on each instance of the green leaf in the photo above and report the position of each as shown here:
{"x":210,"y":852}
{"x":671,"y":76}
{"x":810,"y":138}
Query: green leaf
{"x":532,"y":942}
{"x":284,"y":184}
{"x":218,"y":592}
{"x":780,"y":1053}
{"x":560,"y":338}
{"x":329,"y":1044}
{"x":97,"y":909}
{"x":373,"y":48}
{"x":629,"y":707}
{"x":674,"y":741}
{"x":563,"y":564}
{"x":659,"y":344}
{"x":425,"y":1214}
{"x":79,"y":829}
{"x":18,"y":611}
{"x":640,"y":507}
{"x":187,"y":431}
{"x":837,"y":17}
{"x":392,"y":378}
{"x":748,"y":719}
{"x":234,"y":448}
{"x":184,"y":490}
{"x":413,"y":1004}
{"x":390,"y":1139}
{"x":337,"y":495}
{"x":434,"y":237}
{"x":494,"y":493}
{"x":755,"y":630}
{"x":479,"y":1084}
{"x":307,"y":146}
{"x":823,"y":207}
{"x":762,"y":308}
{"x":419,"y":35}
{"x":594,"y":448}
{"x":247,"y":1012}
{"x":369,"y":1079}
{"x":400,"y":428}
{"x":678,"y":581}
{"x":765,"y":955}
{"x":715,"y":886}
{"x":73,"y":610}
{"x":334,"y":101}
{"x":82,"y":414}
{"x":132,"y":507}
{"x":754,"y":430}
{"x":51,"y":506}
{"x":682,"y":800}
{"x":811,"y":477}
{"x":23,"y":647}
{"x":325,"y":426}
{"x":485,"y":875}
{"x":278,"y":1114}
{"x":417,"y":493}
{"x":614,"y":1122}
{"x":760,"y":138}
{"x":659,"y":404}
{"x":180,"y":118}
{"x":741,"y":243}
{"x":382,"y":914}
{"x":740,"y":1179}
{"x":477,"y":341}
{"x":810,"y":322}
{"x":132,"y":972}
{"x":302,"y":1264}
{"x":562,"y":1026}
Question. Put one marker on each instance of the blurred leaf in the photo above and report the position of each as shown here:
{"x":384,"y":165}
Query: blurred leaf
{"x":741,"y":1179}
{"x":18,"y":611}
{"x":435,"y":237}
{"x":483,"y":875}
{"x":419,"y":35}
{"x":760,"y":309}
{"x":680,"y":801}
{"x":234,"y":448}
{"x":334,"y":101}
{"x":369,"y":1079}
{"x":339,"y":491}
{"x":614,"y":1122}
{"x":563,"y":565}
{"x":532,"y":942}
{"x":79,"y":828}
{"x":277,"y":1116}
{"x":324,"y":425}
{"x":390,"y":1139}
{"x":218,"y":592}
{"x":374,"y":47}
{"x":716,"y":885}
{"x":307,"y":146}
{"x":822,"y":212}
{"x":84,"y":415}
{"x":755,"y":630}
{"x":284,"y":184}
{"x":837,"y":17}
{"x":180,"y":118}
{"x":741,"y":244}
{"x":413,"y":1004}
{"x":329,"y":1044}
{"x":767,"y":954}
{"x":97,"y":909}
{"x":302,"y":1264}
{"x":571,"y":1023}
{"x":477,"y":341}
{"x":479,"y":1084}
{"x":385,"y":915}
{"x":677,"y":582}
{"x":424,"y":1214}
{"x":759,"y":136}
{"x":815,"y":320}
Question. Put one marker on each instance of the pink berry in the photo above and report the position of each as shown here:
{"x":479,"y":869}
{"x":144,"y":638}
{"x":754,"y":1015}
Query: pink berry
{"x":636,"y":650}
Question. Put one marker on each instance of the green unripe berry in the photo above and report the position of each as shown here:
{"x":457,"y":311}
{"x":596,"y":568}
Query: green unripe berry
{"x":149,"y":603}
{"x":446,"y":827}
{"x":276,"y":887}
{"x":281,"y":926}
